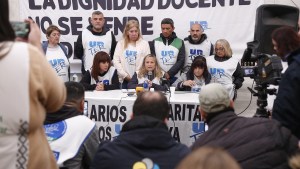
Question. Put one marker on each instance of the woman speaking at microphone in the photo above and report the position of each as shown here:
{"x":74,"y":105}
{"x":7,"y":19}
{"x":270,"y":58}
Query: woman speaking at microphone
{"x":150,"y":74}
{"x":102,"y":76}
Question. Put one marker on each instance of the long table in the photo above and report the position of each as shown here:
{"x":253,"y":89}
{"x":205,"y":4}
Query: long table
{"x":111,"y":109}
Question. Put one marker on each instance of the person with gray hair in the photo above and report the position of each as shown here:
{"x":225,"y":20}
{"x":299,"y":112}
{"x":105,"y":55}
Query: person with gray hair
{"x":254,"y":142}
{"x":144,"y":141}
{"x":96,"y":37}
{"x":169,"y":50}
{"x":196,"y":44}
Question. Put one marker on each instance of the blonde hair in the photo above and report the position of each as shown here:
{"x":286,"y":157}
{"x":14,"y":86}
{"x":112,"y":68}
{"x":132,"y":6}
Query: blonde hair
{"x":208,"y":158}
{"x":157,"y":71}
{"x":225,"y":44}
{"x":130,"y":24}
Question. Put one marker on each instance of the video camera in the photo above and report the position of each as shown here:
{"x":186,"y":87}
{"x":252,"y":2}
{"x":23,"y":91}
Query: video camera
{"x":265,"y":69}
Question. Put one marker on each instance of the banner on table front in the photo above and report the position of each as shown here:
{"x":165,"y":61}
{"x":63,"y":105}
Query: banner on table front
{"x":184,"y":123}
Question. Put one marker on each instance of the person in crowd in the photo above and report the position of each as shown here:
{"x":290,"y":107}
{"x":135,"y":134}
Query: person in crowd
{"x":130,"y":52}
{"x":74,"y":145}
{"x":253,"y":142}
{"x":169,"y":50}
{"x":103,"y":76}
{"x":149,"y":73}
{"x":209,"y":158}
{"x":29,"y":88}
{"x":196,"y":44}
{"x":286,"y":108}
{"x":56,"y":53}
{"x":96,"y":37}
{"x":197,"y":76}
{"x":144,"y":141}
{"x":294,"y":161}
{"x":225,"y":69}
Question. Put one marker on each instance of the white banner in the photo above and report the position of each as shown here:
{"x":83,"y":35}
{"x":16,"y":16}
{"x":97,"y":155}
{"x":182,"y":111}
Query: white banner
{"x":184,"y":120}
{"x":233,"y":20}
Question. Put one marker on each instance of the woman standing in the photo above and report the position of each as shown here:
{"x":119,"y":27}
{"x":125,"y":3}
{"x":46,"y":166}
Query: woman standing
{"x":130,"y":52}
{"x":149,"y":73}
{"x":102,"y":76}
{"x":225,"y":69}
{"x":56,"y":53}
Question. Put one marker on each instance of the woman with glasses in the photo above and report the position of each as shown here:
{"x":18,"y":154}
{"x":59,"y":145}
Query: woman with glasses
{"x":225,"y":69}
{"x":196,"y":76}
{"x":56,"y":53}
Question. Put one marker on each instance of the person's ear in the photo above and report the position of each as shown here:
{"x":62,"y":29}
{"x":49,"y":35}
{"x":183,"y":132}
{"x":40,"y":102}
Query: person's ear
{"x":231,"y":104}
{"x":81,"y":106}
{"x":202,"y":113}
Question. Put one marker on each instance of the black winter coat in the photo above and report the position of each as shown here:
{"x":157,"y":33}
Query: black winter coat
{"x":141,"y":137}
{"x":256,"y":143}
{"x":286,"y":108}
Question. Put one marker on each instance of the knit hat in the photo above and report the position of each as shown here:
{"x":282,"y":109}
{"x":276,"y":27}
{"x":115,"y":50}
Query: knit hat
{"x":214,"y":98}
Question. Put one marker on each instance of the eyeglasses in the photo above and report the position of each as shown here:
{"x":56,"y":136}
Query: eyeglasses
{"x":219,"y":49}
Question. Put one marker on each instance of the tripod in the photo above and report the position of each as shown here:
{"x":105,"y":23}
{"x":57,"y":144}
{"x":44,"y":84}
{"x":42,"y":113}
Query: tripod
{"x":262,"y":95}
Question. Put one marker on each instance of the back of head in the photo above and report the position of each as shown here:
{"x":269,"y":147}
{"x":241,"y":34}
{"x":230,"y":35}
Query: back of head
{"x":214,"y":98}
{"x":153,"y":104}
{"x":6,"y":31}
{"x":75,"y":93}
{"x":168,"y":21}
{"x":208,"y":158}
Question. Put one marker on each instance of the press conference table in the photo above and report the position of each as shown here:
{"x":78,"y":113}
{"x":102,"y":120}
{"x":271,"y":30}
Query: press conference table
{"x":111,"y":109}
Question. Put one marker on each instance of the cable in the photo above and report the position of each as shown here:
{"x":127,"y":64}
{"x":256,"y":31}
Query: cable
{"x":249,"y":102}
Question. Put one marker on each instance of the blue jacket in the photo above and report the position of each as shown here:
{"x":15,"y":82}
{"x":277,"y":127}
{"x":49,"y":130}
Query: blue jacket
{"x":286,"y":107}
{"x":45,"y":45}
{"x":141,"y":137}
{"x":64,"y":49}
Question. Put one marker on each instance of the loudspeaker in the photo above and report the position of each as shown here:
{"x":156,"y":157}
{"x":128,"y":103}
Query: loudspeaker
{"x":270,"y":17}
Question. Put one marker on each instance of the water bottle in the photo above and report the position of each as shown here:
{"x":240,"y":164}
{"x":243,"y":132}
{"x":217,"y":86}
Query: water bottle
{"x":75,"y":78}
{"x":146,"y":85}
{"x":196,"y":88}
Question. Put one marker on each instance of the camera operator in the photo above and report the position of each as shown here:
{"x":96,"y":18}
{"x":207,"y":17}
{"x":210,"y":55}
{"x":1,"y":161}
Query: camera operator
{"x":286,"y":107}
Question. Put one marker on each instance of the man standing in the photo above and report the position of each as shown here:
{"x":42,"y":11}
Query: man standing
{"x":254,"y":142}
{"x":93,"y":39}
{"x":144,"y":141}
{"x":72,"y":136}
{"x":196,"y":44}
{"x":169,"y":50}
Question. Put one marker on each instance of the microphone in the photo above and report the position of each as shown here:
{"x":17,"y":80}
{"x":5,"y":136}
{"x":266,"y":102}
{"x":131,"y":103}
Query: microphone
{"x":150,"y":75}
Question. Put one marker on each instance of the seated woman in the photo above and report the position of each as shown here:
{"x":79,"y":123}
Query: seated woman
{"x":150,"y":72}
{"x":197,"y":75}
{"x":102,"y":76}
{"x":225,"y":69}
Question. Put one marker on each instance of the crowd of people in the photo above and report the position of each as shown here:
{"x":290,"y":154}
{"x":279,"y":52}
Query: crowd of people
{"x":49,"y":114}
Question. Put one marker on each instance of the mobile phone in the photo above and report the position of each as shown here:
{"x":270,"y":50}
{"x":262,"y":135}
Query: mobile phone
{"x":21,"y":29}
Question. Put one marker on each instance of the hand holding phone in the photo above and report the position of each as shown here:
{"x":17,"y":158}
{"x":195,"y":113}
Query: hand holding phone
{"x":21,"y":29}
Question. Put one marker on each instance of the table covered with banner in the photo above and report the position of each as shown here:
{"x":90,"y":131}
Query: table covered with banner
{"x":111,"y":109}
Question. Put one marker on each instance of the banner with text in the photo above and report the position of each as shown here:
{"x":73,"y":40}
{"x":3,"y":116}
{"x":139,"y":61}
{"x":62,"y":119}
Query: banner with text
{"x":233,"y":20}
